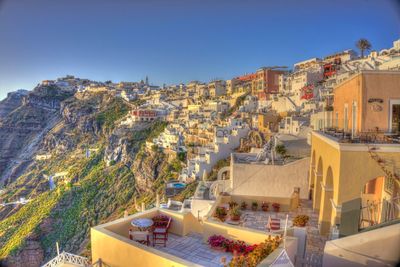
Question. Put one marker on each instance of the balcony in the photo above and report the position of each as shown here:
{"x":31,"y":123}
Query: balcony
{"x":370,"y":137}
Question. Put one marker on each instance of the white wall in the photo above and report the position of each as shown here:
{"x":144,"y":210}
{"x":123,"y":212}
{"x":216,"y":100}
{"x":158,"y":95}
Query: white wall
{"x":380,"y":247}
{"x":200,"y":207}
{"x":270,"y":180}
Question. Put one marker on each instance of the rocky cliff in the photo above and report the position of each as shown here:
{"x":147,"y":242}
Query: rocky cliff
{"x":26,"y":119}
{"x":96,"y":188}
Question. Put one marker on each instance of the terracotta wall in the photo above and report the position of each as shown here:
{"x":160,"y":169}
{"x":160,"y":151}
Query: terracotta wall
{"x":361,"y":89}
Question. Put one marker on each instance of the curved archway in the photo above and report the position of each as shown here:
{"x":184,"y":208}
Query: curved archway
{"x":317,"y":184}
{"x":325,"y":216}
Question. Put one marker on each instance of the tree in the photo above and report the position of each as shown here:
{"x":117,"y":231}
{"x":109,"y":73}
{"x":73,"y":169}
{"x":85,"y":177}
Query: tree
{"x":281,"y":149}
{"x":363,"y":45}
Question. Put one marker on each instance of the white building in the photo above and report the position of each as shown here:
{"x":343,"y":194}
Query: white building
{"x":291,"y":125}
{"x":171,"y":138}
{"x":226,"y":139}
{"x":128,"y":96}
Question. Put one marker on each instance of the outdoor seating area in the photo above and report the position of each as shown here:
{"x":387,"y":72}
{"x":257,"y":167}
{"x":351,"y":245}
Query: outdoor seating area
{"x":157,"y":227}
{"x":165,"y":238}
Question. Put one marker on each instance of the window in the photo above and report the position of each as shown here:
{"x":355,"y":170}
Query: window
{"x":394,"y":116}
{"x":353,"y":119}
{"x":346,"y":118}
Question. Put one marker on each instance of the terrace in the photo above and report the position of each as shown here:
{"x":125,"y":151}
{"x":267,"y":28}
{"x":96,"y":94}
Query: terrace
{"x":313,"y":244}
{"x":186,"y":245}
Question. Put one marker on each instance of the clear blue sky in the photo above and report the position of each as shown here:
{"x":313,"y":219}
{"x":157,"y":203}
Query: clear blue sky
{"x":178,"y":40}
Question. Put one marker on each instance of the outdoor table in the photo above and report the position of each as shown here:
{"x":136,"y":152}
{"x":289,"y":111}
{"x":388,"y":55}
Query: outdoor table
{"x":142,"y":223}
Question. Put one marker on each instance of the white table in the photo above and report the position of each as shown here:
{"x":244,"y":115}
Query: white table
{"x":142,"y":223}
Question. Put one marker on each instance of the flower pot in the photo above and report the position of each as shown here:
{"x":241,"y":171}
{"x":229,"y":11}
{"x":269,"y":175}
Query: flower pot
{"x":276,"y":209}
{"x":235,"y":218}
{"x":222,"y":218}
{"x":264,"y":208}
{"x":300,"y":224}
{"x":221,"y":249}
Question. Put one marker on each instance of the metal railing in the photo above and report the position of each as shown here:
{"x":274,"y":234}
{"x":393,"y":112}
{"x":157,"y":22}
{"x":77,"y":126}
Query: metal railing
{"x":366,"y":137}
{"x":69,"y":258}
{"x":374,"y":212}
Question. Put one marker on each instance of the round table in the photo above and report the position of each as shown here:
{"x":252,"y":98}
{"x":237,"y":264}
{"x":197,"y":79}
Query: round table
{"x":142,"y":223}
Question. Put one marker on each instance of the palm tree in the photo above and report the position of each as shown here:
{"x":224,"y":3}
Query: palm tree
{"x":363,"y":45}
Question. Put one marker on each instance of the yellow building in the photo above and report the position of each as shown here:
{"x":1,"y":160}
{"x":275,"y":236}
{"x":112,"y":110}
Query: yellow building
{"x":348,"y":172}
{"x":268,"y":123}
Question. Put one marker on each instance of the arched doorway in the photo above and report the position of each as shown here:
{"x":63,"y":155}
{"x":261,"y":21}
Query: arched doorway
{"x":317,"y":184}
{"x":325,"y":215}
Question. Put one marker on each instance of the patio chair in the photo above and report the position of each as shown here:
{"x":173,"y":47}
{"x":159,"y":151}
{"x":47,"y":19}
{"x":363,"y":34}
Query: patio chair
{"x":274,"y":224}
{"x":160,"y":234}
{"x":142,"y":237}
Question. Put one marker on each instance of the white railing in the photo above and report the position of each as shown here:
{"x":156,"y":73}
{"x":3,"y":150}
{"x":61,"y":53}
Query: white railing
{"x":65,"y":257}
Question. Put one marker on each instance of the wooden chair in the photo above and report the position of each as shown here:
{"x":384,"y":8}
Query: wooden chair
{"x":160,"y":234}
{"x":273,"y":224}
{"x":142,"y":237}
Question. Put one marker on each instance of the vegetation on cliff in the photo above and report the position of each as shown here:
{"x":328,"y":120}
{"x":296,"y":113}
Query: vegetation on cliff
{"x":120,"y":174}
{"x":92,"y":193}
{"x":113,"y":112}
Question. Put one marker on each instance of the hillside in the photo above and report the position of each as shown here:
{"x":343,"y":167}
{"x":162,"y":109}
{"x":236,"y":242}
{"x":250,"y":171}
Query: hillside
{"x":95,"y":189}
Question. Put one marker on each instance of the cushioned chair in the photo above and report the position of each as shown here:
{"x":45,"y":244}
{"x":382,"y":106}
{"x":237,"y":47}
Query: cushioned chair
{"x":160,"y":234}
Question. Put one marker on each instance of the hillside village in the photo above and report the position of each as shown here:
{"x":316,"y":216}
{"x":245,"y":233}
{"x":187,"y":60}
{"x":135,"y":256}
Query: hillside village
{"x":304,"y":160}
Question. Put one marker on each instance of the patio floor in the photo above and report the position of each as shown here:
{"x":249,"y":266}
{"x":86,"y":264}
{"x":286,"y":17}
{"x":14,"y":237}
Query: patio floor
{"x":315,"y":242}
{"x":192,"y":248}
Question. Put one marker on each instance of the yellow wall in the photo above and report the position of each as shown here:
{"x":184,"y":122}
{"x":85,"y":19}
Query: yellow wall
{"x":250,"y":236}
{"x":352,"y":167}
{"x":111,"y":242}
{"x":117,"y":251}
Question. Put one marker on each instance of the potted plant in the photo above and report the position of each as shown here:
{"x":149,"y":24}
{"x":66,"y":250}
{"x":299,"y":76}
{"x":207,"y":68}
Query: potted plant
{"x":254,"y":205}
{"x":300,"y":220}
{"x":220,"y":213}
{"x":243,"y":205}
{"x":160,"y":220}
{"x":276,"y":206}
{"x":217,"y":242}
{"x":233,"y":204}
{"x":235,"y":213}
{"x":264,"y":206}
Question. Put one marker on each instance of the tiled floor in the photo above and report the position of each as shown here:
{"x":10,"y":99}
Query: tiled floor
{"x":193,"y":249}
{"x":315,"y":242}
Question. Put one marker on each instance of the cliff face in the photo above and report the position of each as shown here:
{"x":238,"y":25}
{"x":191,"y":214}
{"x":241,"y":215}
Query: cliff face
{"x":26,"y":119}
{"x":13,"y":100}
{"x":95,"y":189}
